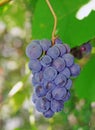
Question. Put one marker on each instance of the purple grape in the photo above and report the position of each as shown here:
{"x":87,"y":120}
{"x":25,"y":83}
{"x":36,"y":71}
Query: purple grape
{"x":49,"y":86}
{"x":58,"y":41}
{"x":59,"y":64}
{"x":62,"y":49}
{"x":75,"y":70}
{"x":45,"y":44}
{"x":49,"y":73}
{"x":34,"y":98}
{"x":69,"y":59}
{"x":34,"y":65}
{"x":86,"y":48}
{"x":53,"y":52}
{"x":66,"y":72}
{"x":46,"y":60}
{"x":34,"y":81}
{"x":48,"y":114}
{"x":56,"y":106}
{"x":68,"y":84}
{"x":34,"y":50}
{"x":40,"y":91}
{"x":42,"y":104}
{"x":38,"y":77}
{"x":49,"y":95}
{"x":59,"y":92}
{"x":60,"y":80}
{"x":67,"y":48}
{"x":67,"y":97}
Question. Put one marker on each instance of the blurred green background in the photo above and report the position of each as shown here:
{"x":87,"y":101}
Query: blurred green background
{"x":20,"y":22}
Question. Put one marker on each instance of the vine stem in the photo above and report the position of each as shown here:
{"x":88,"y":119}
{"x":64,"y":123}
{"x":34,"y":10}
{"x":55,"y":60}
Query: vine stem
{"x":55,"y":21}
{"x":3,"y":2}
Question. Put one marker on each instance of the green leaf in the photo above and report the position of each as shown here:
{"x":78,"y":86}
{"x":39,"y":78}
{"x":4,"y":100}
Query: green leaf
{"x":85,"y":83}
{"x":70,"y":29}
{"x":31,"y":4}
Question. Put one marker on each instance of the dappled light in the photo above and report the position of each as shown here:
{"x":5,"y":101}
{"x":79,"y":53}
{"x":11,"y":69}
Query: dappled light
{"x":85,"y":10}
{"x":64,"y":53}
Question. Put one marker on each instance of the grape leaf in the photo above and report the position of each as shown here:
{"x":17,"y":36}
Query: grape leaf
{"x":85,"y":83}
{"x":71,"y":30}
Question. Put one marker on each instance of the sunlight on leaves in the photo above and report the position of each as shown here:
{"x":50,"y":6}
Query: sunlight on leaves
{"x":93,"y":50}
{"x":17,"y":87}
{"x":32,"y":119}
{"x":85,"y":10}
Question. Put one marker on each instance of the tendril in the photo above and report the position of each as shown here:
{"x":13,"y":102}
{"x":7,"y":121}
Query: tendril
{"x":55,"y":21}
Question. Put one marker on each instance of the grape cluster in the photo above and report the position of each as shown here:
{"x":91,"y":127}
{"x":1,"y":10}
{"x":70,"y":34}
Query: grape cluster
{"x":52,"y":66}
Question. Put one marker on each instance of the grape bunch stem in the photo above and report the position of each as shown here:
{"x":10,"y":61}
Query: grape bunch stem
{"x":55,"y":21}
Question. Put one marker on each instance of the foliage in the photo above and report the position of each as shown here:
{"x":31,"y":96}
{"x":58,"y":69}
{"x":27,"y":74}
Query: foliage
{"x":19,"y":21}
{"x":70,"y":29}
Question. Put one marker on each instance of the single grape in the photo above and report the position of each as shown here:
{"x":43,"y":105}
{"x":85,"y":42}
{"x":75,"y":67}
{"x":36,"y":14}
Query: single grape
{"x":59,"y":92}
{"x":46,"y":60}
{"x":67,"y":97}
{"x":40,"y":91}
{"x":59,"y":64}
{"x":86,"y":48}
{"x":68,"y":84}
{"x":42,"y":104}
{"x":49,"y":95}
{"x":34,"y":81}
{"x":53,"y":52}
{"x":48,"y":114}
{"x":62,"y":49}
{"x":66,"y":72}
{"x":49,"y":86}
{"x":67,"y":48}
{"x":49,"y":73}
{"x":34,"y":65}
{"x":60,"y":80}
{"x":58,"y":41}
{"x":75,"y":70}
{"x":69,"y":59}
{"x":45,"y":44}
{"x":56,"y":106}
{"x":34,"y":50}
{"x":38,"y":77}
{"x":34,"y":98}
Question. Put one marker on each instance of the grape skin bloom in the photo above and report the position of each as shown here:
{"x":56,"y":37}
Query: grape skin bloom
{"x":46,"y":60}
{"x":59,"y":92}
{"x":69,"y":59}
{"x":59,"y":64}
{"x":45,"y":44}
{"x":62,"y":49}
{"x":42,"y":104}
{"x":35,"y":65}
{"x":66,"y":72}
{"x":34,"y":50}
{"x":60,"y":80}
{"x":49,"y":73}
{"x":49,"y":113}
{"x":56,"y":106}
{"x":53,"y":52}
{"x":75,"y":70}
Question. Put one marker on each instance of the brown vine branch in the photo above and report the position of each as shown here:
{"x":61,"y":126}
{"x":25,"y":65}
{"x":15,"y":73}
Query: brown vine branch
{"x":3,"y":2}
{"x":55,"y":20}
